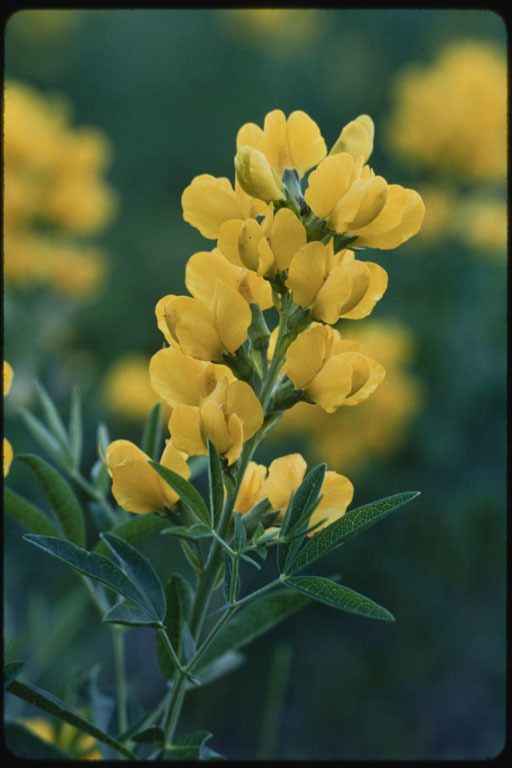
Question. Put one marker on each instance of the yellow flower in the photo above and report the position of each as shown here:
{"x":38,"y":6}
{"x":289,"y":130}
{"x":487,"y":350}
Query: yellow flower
{"x":451,"y":115}
{"x":136,"y":486}
{"x":347,"y":438}
{"x":256,"y":176}
{"x":295,"y":142}
{"x":205,"y":268}
{"x":205,"y":331}
{"x":264,"y":247}
{"x":356,"y":138}
{"x":282,"y":478}
{"x":178,"y":378}
{"x":355,"y":201}
{"x":228,"y":416}
{"x":335,"y":285}
{"x":332,"y":371}
{"x":67,"y":738}
{"x":209,"y":201}
{"x":7,"y":450}
{"x":482,"y":223}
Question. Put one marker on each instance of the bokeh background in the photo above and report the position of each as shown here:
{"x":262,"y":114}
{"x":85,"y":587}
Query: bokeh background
{"x":108,"y":117}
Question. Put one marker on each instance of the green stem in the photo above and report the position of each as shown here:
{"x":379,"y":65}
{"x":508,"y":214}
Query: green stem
{"x":94,"y":493}
{"x":170,"y":649}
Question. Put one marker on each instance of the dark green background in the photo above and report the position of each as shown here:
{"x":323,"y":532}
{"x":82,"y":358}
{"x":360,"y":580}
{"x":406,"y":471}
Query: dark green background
{"x":171,"y":88}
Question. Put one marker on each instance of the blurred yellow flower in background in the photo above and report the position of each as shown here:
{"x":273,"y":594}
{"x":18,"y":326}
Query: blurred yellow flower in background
{"x":127,"y":389}
{"x":70,"y":740}
{"x":54,"y":193}
{"x":482,"y":223}
{"x":347,"y":437}
{"x":7,"y":449}
{"x":278,"y":29}
{"x":451,"y":115}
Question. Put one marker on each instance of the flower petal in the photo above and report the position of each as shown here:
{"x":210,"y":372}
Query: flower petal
{"x":287,"y":236}
{"x":185,"y":429}
{"x":336,"y":494}
{"x":135,"y":485}
{"x":243,"y":401}
{"x":306,"y":145}
{"x":232,"y":316}
{"x":285,"y":474}
{"x":328,"y":183}
{"x":208,"y":202}
{"x":307,"y":354}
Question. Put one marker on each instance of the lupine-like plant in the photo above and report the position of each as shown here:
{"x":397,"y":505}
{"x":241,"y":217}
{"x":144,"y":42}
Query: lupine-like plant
{"x":255,"y":336}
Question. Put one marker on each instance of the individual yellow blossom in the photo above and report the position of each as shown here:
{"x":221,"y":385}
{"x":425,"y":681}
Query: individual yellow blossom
{"x":335,"y":285}
{"x":67,"y":738}
{"x":179,"y":378}
{"x":282,"y":478}
{"x":293,"y":142}
{"x":347,"y":438}
{"x":228,"y":416}
{"x":332,"y":371}
{"x":205,"y":268}
{"x":205,"y":331}
{"x":346,"y":192}
{"x":127,"y":389}
{"x":256,"y":176}
{"x":265,"y":248}
{"x":209,"y":201}
{"x":136,"y":486}
{"x":451,"y":115}
{"x":356,"y":138}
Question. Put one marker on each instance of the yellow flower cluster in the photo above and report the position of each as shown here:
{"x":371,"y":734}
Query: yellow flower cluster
{"x":451,"y":116}
{"x":348,"y":438}
{"x":54,"y":194}
{"x":223,"y":374}
{"x":8,"y":454}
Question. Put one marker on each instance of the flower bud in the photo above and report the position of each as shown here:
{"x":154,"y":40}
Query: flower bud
{"x":255,"y":175}
{"x":356,"y":138}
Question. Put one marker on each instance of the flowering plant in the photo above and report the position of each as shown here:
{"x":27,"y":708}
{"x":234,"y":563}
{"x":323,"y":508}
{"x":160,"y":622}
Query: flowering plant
{"x":286,"y":258}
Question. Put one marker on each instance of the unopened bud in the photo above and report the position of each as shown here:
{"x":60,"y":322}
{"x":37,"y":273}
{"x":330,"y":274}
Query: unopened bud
{"x":356,"y":138}
{"x":256,"y":176}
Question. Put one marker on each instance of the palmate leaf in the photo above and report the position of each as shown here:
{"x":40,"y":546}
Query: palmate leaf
{"x":60,"y":495}
{"x":353,"y":522}
{"x":188,"y":494}
{"x":337,"y":596}
{"x":141,"y":573}
{"x":91,"y":564}
{"x":54,"y":706}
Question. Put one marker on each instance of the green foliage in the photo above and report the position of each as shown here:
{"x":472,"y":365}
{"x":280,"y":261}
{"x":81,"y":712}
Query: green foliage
{"x":51,"y":704}
{"x":178,"y":600}
{"x":23,"y":743}
{"x":188,"y":494}
{"x":131,"y":616}
{"x":27,"y":514}
{"x":75,"y":428}
{"x":215,"y":484}
{"x":298,"y":514}
{"x":193,"y":747}
{"x":353,"y":522}
{"x":134,"y":529}
{"x":11,"y":672}
{"x":337,"y":596}
{"x":152,"y":433}
{"x":61,"y":497}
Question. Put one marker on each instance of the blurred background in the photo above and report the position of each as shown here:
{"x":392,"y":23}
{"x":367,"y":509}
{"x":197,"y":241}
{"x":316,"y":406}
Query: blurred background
{"x":108,"y":117}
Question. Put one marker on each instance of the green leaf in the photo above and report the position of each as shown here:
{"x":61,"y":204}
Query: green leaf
{"x":228,"y":578}
{"x":191,"y":746}
{"x":60,"y":495}
{"x":197,"y":465}
{"x":23,"y":743}
{"x":196,"y":531}
{"x":48,"y":442}
{"x":252,"y":621}
{"x":95,"y":566}
{"x":152,"y":734}
{"x":141,"y":573}
{"x":27,"y":514}
{"x":188,"y":494}
{"x":240,"y":538}
{"x":220,"y":667}
{"x":75,"y":427}
{"x":11,"y":671}
{"x":49,"y":703}
{"x":100,"y":477}
{"x":151,"y":441}
{"x":215,"y":484}
{"x":137,"y":527}
{"x":178,"y":600}
{"x":353,"y":522}
{"x":299,"y":511}
{"x":337,"y":596}
{"x":103,"y":439}
{"x":51,"y":414}
{"x":130,"y":615}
